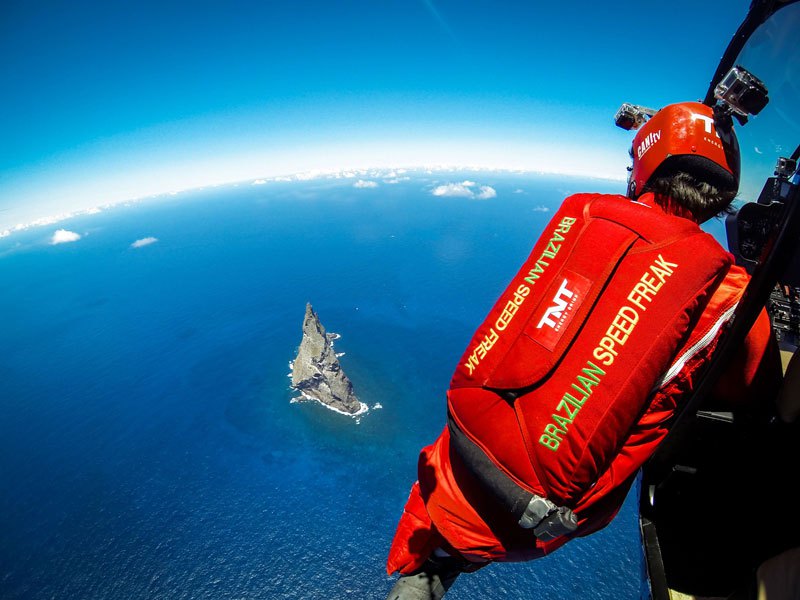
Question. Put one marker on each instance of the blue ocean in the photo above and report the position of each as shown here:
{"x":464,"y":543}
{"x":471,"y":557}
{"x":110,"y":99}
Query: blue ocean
{"x":149,"y":447}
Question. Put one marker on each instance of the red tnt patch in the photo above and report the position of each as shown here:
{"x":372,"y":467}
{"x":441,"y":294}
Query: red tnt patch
{"x":568,"y":292}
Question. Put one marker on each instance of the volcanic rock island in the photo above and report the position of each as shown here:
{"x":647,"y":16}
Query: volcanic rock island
{"x":316,"y":372}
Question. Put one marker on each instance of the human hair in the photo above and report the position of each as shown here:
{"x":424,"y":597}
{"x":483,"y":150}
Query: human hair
{"x":701,"y":198}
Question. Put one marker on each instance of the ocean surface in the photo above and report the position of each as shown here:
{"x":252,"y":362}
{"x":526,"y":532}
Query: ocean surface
{"x":148,"y":444}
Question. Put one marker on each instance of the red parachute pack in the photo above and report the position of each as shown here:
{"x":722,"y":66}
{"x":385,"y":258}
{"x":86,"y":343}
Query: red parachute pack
{"x":564,"y":364}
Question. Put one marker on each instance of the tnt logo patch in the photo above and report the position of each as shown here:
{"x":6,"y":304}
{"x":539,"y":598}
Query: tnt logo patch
{"x":565,"y":297}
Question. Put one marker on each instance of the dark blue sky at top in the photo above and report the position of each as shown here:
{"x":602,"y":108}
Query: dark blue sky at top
{"x":97,"y":89}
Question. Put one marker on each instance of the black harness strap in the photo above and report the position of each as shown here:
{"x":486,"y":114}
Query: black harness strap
{"x":513,"y":498}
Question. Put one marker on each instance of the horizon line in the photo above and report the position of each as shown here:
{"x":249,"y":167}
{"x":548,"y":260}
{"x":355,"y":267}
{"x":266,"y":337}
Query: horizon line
{"x":298,"y":176}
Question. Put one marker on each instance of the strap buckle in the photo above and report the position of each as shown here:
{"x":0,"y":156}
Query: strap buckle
{"x":547,"y":520}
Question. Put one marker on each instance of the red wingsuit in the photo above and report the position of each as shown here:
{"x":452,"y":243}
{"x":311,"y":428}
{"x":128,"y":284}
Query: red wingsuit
{"x":449,"y":509}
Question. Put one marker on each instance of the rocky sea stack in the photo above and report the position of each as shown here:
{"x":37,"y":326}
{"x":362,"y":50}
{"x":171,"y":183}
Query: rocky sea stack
{"x":316,"y":372}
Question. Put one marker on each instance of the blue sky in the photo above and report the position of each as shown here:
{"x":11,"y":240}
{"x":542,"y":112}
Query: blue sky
{"x":104,"y":101}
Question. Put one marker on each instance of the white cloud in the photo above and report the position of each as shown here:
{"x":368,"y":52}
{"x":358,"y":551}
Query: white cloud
{"x":144,"y":242}
{"x":541,"y":208}
{"x":62,"y":236}
{"x":455,"y":189}
{"x":757,"y":150}
{"x":365,"y":184}
{"x":519,"y":191}
{"x":465,"y":190}
{"x":259,"y":182}
{"x":486,"y":193}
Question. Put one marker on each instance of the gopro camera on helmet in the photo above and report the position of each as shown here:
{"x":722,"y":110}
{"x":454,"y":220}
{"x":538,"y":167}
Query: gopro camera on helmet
{"x":741,"y":91}
{"x":631,"y":116}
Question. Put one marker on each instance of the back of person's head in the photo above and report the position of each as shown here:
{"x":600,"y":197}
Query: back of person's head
{"x":687,"y":156}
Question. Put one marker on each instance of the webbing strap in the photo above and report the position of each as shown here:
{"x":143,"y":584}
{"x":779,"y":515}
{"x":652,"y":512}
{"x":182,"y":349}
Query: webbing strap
{"x":512,"y":497}
{"x":531,"y":511}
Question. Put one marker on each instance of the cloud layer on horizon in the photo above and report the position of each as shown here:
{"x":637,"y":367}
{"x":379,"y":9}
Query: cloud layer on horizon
{"x":361,"y":183}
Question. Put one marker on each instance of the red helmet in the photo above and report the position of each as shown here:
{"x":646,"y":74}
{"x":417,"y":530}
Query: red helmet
{"x":685,"y":137}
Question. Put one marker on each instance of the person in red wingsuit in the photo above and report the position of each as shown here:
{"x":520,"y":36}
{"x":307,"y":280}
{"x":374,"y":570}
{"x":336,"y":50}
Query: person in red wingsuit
{"x":458,"y":517}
